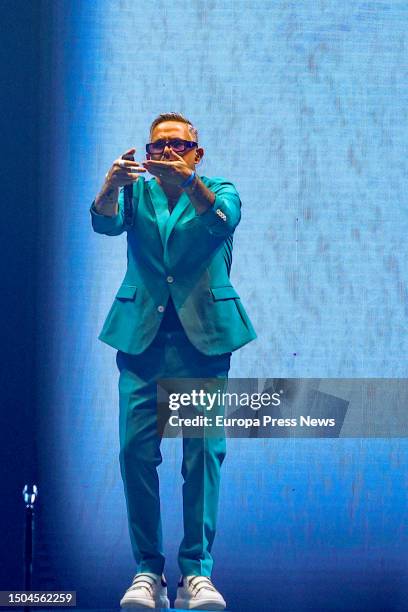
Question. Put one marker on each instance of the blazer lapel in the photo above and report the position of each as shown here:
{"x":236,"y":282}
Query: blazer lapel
{"x":165,"y":220}
{"x":176,"y":213}
{"x":161,"y":208}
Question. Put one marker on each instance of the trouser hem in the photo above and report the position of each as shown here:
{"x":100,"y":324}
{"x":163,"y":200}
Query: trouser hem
{"x":151,"y":568}
{"x":194,"y":569}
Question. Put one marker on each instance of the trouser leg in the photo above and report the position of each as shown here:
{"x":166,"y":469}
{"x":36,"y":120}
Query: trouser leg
{"x":201,"y":465}
{"x":170,"y":356}
{"x":202,"y":460}
{"x":139,"y":458}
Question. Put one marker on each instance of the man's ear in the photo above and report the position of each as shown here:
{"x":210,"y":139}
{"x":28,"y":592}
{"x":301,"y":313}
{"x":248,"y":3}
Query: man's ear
{"x":199,"y":154}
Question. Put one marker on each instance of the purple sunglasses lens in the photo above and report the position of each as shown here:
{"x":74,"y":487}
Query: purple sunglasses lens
{"x":158,"y":147}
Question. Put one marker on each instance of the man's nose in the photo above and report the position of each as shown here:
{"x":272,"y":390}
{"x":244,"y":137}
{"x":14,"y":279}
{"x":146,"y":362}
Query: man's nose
{"x":167,"y":151}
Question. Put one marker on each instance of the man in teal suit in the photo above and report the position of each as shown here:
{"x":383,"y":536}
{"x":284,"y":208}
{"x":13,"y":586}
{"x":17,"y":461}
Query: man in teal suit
{"x":175,"y":315}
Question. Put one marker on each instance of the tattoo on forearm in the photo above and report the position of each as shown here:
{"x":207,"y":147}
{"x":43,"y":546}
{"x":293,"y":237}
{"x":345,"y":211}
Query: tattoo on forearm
{"x":110,"y":196}
{"x":106,"y":201}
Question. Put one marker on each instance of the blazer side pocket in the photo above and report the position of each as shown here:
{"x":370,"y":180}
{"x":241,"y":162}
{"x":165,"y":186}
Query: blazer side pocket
{"x":126,"y":292}
{"x":227,"y":292}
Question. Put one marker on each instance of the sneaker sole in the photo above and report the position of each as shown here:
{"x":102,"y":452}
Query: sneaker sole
{"x":145,"y":603}
{"x":205,"y":604}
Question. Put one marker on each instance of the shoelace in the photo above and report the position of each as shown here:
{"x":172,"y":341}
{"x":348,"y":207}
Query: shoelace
{"x":143,"y":581}
{"x":200,"y":582}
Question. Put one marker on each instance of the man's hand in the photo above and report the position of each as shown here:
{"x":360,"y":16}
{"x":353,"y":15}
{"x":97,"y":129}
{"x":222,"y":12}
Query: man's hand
{"x":174,"y":171}
{"x":122,"y":172}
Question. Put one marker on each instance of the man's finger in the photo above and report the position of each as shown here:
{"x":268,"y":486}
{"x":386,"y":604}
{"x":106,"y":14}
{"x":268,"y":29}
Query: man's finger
{"x":132,"y":170}
{"x":124,"y":163}
{"x":125,"y":173}
{"x":125,"y":179}
{"x":136,"y":170}
{"x":178,"y":157}
{"x":155,"y":170}
{"x":159,"y":164}
{"x":129,"y":152}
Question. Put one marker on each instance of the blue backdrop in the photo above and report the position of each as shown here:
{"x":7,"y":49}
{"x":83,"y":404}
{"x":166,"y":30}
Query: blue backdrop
{"x":303,"y":106}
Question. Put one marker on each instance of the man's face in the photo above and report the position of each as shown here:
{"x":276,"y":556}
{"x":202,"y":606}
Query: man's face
{"x":175,"y":129}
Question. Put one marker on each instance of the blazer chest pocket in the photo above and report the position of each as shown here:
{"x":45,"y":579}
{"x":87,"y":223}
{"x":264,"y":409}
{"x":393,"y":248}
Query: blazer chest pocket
{"x":126,"y":292}
{"x":224,"y":293}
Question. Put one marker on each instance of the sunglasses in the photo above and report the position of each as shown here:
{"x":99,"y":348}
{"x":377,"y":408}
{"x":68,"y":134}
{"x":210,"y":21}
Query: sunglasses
{"x":177,"y":144}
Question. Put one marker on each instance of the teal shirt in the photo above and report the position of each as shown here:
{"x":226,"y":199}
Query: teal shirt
{"x":184,"y":256}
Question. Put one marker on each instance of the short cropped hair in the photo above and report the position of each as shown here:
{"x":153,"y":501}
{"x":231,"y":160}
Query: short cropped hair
{"x":175,"y":117}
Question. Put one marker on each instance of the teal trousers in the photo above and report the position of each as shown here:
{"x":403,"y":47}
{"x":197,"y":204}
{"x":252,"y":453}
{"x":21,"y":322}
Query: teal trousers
{"x":171,"y":355}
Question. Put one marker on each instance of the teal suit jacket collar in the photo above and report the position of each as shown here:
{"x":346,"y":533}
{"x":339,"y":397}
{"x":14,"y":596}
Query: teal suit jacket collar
{"x":166,"y":221}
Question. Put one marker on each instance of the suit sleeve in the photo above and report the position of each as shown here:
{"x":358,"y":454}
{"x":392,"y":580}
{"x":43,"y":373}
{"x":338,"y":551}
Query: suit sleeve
{"x":111,"y":226}
{"x":223,"y":216}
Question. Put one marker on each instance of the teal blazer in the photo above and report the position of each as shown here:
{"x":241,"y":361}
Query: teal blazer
{"x":184,"y":255}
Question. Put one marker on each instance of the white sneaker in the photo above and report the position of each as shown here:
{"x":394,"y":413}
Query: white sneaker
{"x":198,"y":593}
{"x":146,"y":591}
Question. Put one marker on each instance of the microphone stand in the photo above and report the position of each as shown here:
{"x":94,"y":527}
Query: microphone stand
{"x":128,"y":196}
{"x":29,"y":500}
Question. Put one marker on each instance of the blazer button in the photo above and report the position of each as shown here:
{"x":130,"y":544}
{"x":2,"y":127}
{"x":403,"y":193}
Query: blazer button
{"x":170,"y":279}
{"x":160,"y":308}
{"x":221,"y":214}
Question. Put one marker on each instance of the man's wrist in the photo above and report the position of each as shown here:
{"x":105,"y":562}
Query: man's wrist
{"x":189,"y":180}
{"x":200,"y":196}
{"x":106,"y":200}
